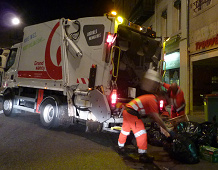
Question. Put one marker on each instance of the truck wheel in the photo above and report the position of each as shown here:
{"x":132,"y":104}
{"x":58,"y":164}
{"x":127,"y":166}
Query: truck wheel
{"x":8,"y":104}
{"x":49,"y":113}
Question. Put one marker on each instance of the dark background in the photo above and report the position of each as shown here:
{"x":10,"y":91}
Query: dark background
{"x":37,"y":11}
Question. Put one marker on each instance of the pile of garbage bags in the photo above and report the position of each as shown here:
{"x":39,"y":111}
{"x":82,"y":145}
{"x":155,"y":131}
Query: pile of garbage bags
{"x":154,"y":135}
{"x":189,"y":136}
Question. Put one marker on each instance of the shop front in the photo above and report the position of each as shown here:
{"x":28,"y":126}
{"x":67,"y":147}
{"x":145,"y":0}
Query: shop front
{"x":172,"y":67}
{"x":204,"y":76}
{"x":172,"y":60}
{"x":203,"y":56}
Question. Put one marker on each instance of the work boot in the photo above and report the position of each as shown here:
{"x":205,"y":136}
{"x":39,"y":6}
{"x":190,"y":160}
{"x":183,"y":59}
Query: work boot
{"x":145,"y":158}
{"x":121,"y":150}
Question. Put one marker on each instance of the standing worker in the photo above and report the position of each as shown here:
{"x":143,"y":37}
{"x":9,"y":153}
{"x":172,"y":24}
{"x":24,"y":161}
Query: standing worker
{"x":134,"y":110}
{"x":177,"y":99}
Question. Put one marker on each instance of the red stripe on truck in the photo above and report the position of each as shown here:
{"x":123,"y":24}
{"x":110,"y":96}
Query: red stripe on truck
{"x":39,"y":99}
{"x":34,"y":74}
{"x":55,"y":72}
{"x":82,"y":81}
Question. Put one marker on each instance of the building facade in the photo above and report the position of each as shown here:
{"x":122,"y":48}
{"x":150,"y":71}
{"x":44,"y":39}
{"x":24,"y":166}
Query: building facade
{"x":203,"y":50}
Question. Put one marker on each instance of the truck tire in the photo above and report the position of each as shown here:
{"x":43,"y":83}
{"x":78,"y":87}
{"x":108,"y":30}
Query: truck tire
{"x":8,"y":106}
{"x":49,"y":110}
{"x":8,"y":103}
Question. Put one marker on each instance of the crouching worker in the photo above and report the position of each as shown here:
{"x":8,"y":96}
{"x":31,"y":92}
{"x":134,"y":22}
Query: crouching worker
{"x":145,"y":105}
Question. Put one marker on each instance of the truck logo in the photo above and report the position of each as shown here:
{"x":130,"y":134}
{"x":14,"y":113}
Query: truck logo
{"x":54,"y":72}
{"x":94,"y":34}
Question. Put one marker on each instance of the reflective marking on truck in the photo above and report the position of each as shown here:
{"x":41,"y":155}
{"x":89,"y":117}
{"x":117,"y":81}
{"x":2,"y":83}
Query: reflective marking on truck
{"x":82,"y":80}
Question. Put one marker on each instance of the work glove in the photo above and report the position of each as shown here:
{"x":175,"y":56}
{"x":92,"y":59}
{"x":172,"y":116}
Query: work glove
{"x":161,"y":83}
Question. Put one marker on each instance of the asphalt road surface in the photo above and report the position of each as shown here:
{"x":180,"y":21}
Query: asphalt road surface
{"x":25,"y":144}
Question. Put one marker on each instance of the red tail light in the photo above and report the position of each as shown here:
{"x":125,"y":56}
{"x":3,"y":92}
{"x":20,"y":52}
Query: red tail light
{"x":110,"y":38}
{"x":161,"y":104}
{"x":114,"y":97}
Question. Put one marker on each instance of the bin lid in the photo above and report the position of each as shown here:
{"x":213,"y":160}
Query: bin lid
{"x":211,"y":95}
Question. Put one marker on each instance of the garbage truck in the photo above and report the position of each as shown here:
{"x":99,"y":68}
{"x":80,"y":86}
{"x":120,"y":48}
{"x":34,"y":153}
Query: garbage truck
{"x":78,"y":71}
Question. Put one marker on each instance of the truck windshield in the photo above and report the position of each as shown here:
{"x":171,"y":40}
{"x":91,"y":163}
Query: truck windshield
{"x":11,"y":59}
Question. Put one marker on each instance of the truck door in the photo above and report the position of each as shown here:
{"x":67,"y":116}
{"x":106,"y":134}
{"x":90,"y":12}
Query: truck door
{"x":11,"y":65}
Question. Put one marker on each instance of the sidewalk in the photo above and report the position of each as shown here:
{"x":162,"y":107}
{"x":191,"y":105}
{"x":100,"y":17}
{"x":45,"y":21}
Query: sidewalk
{"x":197,"y":117}
{"x":164,"y":162}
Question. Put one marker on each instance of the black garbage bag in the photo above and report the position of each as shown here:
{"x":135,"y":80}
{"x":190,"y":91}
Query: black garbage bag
{"x":205,"y":139}
{"x":190,"y":129}
{"x":183,"y":149}
{"x":208,"y":134}
{"x":209,"y":127}
{"x":168,"y":145}
{"x":154,"y":135}
{"x":155,"y":126}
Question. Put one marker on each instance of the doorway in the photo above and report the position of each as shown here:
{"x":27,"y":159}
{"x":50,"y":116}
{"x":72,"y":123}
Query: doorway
{"x":205,"y":81}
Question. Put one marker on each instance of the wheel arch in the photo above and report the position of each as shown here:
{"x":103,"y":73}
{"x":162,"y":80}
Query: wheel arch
{"x":54,"y":122}
{"x":55,"y":98}
{"x":8,"y":92}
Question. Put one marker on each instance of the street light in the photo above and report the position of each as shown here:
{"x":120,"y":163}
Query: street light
{"x":15,"y":21}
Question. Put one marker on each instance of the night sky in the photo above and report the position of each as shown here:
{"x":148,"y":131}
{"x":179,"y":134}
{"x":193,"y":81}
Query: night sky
{"x":36,"y":11}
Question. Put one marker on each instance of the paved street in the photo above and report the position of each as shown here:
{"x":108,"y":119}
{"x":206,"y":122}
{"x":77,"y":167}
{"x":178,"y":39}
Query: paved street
{"x":25,"y":144}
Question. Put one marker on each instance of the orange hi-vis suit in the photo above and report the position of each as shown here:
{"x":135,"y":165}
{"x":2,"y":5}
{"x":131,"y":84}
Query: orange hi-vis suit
{"x":177,"y":102}
{"x":142,"y":105}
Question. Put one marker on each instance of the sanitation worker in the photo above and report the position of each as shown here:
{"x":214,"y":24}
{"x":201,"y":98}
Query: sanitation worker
{"x":145,"y":105}
{"x":177,"y":99}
